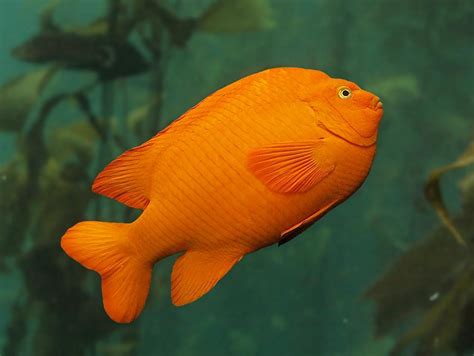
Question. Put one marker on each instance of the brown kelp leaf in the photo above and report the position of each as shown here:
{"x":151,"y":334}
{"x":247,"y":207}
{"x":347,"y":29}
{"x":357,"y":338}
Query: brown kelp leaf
{"x":440,"y":326}
{"x":76,"y":139}
{"x":46,"y":18}
{"x":123,"y":347}
{"x":434,"y":282}
{"x":424,"y":273}
{"x":370,"y":346}
{"x":18,"y":96}
{"x":433,"y":191}
{"x":13,"y":195}
{"x":99,"y":27}
{"x":138,"y":117}
{"x":237,"y":16}
{"x":466,"y":187}
{"x":59,"y":181}
{"x":110,"y":58}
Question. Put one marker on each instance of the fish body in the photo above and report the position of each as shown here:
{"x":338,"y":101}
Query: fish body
{"x":253,"y":164}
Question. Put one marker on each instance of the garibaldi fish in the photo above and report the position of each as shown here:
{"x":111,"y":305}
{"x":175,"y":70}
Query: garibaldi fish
{"x":253,"y":164}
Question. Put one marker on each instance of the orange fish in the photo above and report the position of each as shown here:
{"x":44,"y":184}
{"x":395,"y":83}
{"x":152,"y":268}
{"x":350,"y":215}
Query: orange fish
{"x":253,"y":164}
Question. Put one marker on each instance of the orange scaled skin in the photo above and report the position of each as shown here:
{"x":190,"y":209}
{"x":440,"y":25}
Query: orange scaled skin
{"x":251,"y":165}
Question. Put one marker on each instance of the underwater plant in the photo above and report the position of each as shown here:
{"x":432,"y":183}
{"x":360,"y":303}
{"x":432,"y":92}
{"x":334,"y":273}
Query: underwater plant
{"x":432,"y":283}
{"x":19,"y":95}
{"x":53,"y":163}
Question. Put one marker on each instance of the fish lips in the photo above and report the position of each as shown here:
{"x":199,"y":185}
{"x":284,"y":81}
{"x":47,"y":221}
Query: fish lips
{"x":333,"y":121}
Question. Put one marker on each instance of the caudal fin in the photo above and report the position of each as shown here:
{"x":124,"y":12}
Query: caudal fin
{"x":105,"y":248}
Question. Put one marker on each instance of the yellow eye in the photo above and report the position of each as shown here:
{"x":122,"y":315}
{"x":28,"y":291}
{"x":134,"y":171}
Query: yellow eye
{"x":345,"y":93}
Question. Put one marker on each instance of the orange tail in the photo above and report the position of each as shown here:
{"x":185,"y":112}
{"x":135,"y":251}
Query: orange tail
{"x":105,"y":248}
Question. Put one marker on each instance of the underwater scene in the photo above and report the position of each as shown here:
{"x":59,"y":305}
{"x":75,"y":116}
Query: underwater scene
{"x":314,"y":197}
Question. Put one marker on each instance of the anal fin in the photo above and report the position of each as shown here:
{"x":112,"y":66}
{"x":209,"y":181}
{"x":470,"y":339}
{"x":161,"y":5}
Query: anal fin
{"x":196,"y":272}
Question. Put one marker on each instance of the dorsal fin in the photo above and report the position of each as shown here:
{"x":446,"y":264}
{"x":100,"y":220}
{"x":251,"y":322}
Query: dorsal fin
{"x":127,"y":178}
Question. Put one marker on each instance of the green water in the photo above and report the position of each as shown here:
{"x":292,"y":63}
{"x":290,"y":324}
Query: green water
{"x":303,"y":298}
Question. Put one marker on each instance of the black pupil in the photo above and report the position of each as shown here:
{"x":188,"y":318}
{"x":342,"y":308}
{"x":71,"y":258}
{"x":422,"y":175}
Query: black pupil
{"x":345,"y":92}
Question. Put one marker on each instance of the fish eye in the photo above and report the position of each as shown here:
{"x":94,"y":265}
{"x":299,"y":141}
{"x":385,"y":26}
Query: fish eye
{"x":345,"y":93}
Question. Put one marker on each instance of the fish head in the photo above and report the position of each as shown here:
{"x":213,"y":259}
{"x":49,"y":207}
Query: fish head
{"x":348,"y":111}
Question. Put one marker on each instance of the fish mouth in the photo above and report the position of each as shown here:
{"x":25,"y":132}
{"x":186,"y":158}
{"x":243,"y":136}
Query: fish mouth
{"x":360,"y":140}
{"x":376,"y":104}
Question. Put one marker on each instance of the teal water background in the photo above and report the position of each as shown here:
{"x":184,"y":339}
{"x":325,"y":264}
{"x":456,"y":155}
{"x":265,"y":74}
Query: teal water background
{"x":303,"y":298}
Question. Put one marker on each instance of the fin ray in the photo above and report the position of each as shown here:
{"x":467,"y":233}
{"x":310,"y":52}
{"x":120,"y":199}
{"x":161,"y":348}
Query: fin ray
{"x":290,"y":233}
{"x":103,"y":248}
{"x":294,"y":167}
{"x":127,"y":178}
{"x":195,"y":273}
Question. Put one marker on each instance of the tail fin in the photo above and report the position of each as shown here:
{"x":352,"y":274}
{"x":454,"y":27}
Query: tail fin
{"x":104,"y":248}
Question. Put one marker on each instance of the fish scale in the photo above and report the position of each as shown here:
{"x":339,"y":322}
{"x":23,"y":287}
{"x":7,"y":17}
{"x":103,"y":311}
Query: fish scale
{"x":228,"y":175}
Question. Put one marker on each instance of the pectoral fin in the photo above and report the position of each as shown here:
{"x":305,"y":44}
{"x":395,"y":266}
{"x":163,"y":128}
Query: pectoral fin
{"x":294,"y":167}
